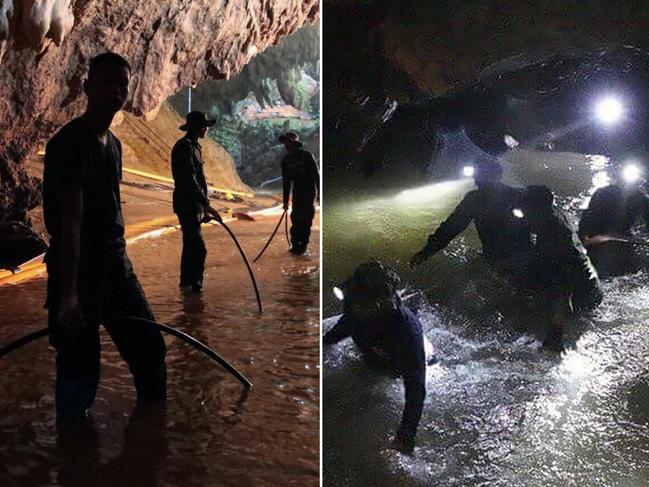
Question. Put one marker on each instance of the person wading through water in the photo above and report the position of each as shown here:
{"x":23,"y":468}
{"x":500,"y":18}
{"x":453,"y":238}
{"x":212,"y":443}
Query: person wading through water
{"x":388,"y":333}
{"x":90,"y":277}
{"x":505,"y":238}
{"x":560,"y":274}
{"x":612,"y":212}
{"x":300,"y":171}
{"x":190,"y":198}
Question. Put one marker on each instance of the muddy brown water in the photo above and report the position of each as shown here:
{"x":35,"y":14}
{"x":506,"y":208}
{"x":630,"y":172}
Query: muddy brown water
{"x":204,"y":436}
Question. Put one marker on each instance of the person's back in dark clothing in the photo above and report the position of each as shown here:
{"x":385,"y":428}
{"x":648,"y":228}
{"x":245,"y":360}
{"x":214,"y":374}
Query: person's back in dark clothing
{"x":561,"y":273}
{"x":299,"y":176}
{"x":190,"y":198}
{"x":90,"y":278}
{"x":613,"y":210}
{"x":563,"y":261}
{"x":190,"y":194}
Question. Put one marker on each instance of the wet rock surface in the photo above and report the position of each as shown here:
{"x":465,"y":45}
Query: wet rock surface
{"x":19,"y":243}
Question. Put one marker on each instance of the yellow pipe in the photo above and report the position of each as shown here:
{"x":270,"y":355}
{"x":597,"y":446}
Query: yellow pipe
{"x":23,"y":275}
{"x":36,"y":266}
{"x":149,"y":175}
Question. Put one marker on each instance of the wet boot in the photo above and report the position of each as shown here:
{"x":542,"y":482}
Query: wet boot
{"x":404,"y":444}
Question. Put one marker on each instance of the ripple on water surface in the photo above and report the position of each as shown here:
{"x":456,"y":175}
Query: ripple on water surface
{"x":500,"y":411}
{"x":204,"y":436}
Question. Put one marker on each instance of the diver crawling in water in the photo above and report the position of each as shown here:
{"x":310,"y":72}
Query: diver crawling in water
{"x":386,"y":331}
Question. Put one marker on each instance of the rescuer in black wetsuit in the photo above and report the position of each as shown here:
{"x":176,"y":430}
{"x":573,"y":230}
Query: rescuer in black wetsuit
{"x":612,"y":212}
{"x":560,"y":270}
{"x":300,"y":171}
{"x":386,"y":330}
{"x":504,"y":236}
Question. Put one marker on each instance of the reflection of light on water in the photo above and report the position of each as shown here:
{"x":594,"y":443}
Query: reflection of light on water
{"x":434,"y":373}
{"x":583,"y":368}
{"x":429,"y":192}
{"x":598,"y":164}
{"x":575,"y":365}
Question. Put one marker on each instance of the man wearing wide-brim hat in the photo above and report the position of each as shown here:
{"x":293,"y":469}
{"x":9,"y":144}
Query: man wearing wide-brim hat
{"x":190,"y":198}
{"x":299,"y":171}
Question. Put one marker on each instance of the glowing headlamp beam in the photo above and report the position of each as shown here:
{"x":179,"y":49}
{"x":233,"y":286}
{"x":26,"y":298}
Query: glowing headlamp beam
{"x":339,"y":293}
{"x":609,"y":110}
{"x":468,"y":171}
{"x":631,"y":173}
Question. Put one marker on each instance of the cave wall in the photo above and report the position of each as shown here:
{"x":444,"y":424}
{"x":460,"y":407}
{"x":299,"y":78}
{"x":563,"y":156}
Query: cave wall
{"x":45,"y":46}
{"x":414,"y":50}
{"x":296,"y":53}
{"x":147,"y":142}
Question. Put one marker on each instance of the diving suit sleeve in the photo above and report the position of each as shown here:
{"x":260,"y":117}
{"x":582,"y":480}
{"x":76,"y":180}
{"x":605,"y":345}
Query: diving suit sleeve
{"x":184,"y":174}
{"x":340,"y":331}
{"x":455,"y":224}
{"x":414,"y":381}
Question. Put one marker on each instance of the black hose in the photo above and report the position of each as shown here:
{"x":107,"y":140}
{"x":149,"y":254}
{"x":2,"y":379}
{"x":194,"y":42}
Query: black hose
{"x":23,"y":341}
{"x":245,"y":259}
{"x":272,"y":235}
{"x":164,"y":328}
{"x":288,"y":240}
{"x":194,"y":343}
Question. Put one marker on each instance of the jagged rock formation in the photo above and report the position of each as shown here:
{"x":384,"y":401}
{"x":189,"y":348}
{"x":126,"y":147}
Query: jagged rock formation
{"x":280,"y":66}
{"x":147,"y":144}
{"x":170,"y":44}
{"x":278,"y":80}
{"x":412,"y":51}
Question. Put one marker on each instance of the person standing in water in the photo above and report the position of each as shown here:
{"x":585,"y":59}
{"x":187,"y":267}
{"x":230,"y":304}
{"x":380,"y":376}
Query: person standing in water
{"x":389,"y":333}
{"x":190,"y":198}
{"x":503,"y":235}
{"x":560,"y":272}
{"x":299,"y":171}
{"x":90,"y":277}
{"x":611,"y":214}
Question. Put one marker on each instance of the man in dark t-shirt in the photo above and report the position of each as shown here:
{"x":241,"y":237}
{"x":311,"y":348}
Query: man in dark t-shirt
{"x":299,"y":171}
{"x":90,"y":278}
{"x":190,"y":199}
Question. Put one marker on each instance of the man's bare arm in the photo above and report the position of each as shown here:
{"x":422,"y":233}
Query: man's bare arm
{"x":71,"y":213}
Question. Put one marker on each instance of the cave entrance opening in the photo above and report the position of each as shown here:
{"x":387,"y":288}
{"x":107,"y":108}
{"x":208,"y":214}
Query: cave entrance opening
{"x":278,"y":91}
